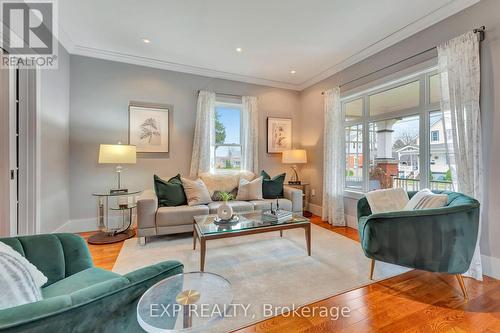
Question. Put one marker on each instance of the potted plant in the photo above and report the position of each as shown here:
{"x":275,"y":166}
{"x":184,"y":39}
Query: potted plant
{"x":225,"y":211}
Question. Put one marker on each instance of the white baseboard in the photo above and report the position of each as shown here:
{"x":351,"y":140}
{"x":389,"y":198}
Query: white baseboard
{"x":80,"y":225}
{"x":351,"y":221}
{"x":84,"y":225}
{"x":491,"y":266}
{"x":315,"y":209}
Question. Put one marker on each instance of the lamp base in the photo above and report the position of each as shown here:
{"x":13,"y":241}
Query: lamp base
{"x":294,"y":182}
{"x":118,"y":190}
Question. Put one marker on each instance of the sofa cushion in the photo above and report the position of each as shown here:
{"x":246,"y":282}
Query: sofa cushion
{"x":238,"y":206}
{"x":272,"y":188}
{"x":170,"y":193}
{"x":81,"y":280}
{"x":265,"y":204}
{"x":180,"y":215}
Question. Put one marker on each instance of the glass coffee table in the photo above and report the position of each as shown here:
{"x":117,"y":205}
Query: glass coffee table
{"x":188,"y":302}
{"x":206,"y":228}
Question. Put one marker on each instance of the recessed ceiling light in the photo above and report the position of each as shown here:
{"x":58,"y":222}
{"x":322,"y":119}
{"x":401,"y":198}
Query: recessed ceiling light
{"x":293,"y":71}
{"x":145,"y":40}
{"x":239,"y":49}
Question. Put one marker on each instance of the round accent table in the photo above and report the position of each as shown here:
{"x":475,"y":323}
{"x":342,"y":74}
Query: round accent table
{"x":121,"y":202}
{"x":181,"y":303}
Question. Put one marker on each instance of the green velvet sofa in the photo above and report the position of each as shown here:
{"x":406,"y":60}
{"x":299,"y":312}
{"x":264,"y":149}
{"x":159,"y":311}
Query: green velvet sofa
{"x":436,"y":240}
{"x":79,"y":297}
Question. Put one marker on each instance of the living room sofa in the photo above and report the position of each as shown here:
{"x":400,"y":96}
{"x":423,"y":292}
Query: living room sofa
{"x":79,"y":297}
{"x":153,"y":220}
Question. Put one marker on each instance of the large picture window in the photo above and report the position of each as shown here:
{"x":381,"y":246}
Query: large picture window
{"x":227,"y":154}
{"x":395,"y":136}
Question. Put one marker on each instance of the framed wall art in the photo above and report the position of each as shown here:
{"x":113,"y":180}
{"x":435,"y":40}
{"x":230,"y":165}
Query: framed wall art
{"x":279,"y":135}
{"x":149,"y":128}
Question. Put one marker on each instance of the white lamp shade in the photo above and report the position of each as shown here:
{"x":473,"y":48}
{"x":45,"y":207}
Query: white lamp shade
{"x":295,"y":156}
{"x":117,"y":154}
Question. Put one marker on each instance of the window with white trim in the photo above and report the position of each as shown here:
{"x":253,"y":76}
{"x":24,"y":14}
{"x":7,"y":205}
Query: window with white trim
{"x":227,"y":152}
{"x":395,"y":136}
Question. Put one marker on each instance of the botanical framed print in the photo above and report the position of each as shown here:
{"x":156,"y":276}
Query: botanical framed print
{"x":279,"y":135}
{"x":149,"y":128}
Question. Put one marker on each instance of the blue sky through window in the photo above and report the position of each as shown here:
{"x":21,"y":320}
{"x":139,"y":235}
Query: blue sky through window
{"x":230,"y":118}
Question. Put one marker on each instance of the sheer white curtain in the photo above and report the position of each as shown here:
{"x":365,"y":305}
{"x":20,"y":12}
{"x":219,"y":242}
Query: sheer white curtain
{"x":333,"y":159}
{"x":250,"y":134}
{"x":204,"y":135}
{"x":459,"y":67}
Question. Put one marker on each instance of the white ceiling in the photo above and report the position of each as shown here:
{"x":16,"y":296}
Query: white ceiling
{"x":317,"y":38}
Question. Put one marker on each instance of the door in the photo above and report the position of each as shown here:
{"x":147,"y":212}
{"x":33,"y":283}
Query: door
{"x":5,"y":141}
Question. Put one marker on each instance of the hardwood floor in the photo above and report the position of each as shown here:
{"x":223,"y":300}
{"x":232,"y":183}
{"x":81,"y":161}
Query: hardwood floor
{"x":412,"y":302}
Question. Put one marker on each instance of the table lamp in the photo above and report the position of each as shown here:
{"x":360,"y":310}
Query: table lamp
{"x":294,"y":156}
{"x":117,"y":154}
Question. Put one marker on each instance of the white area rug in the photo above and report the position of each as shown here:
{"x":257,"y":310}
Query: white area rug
{"x":266,"y":269}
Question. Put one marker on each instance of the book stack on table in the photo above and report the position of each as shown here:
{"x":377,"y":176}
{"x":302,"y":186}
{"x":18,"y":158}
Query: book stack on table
{"x":278,"y":215}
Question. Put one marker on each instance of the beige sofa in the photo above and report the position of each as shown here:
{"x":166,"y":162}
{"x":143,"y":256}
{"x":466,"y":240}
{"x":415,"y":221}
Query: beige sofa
{"x":153,"y":220}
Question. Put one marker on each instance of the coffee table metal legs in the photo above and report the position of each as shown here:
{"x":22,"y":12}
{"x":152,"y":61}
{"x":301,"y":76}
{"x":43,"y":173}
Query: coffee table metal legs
{"x":195,"y":235}
{"x":308,"y":238}
{"x":202,"y":254}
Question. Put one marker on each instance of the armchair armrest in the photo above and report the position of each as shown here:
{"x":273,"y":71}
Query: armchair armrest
{"x":147,"y":205}
{"x":295,"y":196}
{"x":29,"y":313}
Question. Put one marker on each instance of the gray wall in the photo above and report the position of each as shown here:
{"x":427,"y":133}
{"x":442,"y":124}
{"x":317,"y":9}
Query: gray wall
{"x":100,"y":93}
{"x":484,"y":13}
{"x":54,"y":154}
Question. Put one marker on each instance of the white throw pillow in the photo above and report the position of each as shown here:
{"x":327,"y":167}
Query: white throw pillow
{"x":196,"y":192}
{"x":20,"y":280}
{"x":250,"y":190}
{"x":388,"y":200}
{"x":425,"y":199}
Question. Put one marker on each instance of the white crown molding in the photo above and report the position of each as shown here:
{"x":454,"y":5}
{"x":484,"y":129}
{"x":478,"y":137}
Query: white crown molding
{"x":66,"y":41}
{"x":445,"y":11}
{"x":161,"y":64}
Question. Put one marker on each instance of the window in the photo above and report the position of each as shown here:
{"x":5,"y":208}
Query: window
{"x":227,"y":155}
{"x":354,"y":156}
{"x":439,"y":163}
{"x":434,"y":136}
{"x":385,"y":142}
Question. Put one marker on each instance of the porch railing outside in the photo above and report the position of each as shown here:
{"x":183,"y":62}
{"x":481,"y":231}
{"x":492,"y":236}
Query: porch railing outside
{"x":414,"y":184}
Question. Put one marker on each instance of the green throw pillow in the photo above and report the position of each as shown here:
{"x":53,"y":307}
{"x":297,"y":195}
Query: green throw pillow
{"x":272,"y":188}
{"x":170,"y":193}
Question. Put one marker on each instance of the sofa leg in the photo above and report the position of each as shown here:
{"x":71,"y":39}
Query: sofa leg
{"x":372,"y":268}
{"x":142,"y":241}
{"x":462,"y":285}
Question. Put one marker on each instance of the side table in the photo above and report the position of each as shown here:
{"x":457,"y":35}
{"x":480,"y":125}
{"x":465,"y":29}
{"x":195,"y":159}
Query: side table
{"x":305,"y":196}
{"x":106,"y":202}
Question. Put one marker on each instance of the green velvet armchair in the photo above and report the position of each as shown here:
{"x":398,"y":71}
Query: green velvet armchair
{"x":79,"y":297}
{"x":436,"y":240}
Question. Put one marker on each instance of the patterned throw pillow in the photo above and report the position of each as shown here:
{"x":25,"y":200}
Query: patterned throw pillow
{"x":170,"y":193}
{"x":425,"y":199}
{"x":196,"y":192}
{"x":272,"y":188}
{"x":20,"y":280}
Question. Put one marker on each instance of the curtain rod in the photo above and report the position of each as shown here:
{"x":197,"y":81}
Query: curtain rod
{"x":223,"y":94}
{"x":480,"y":30}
